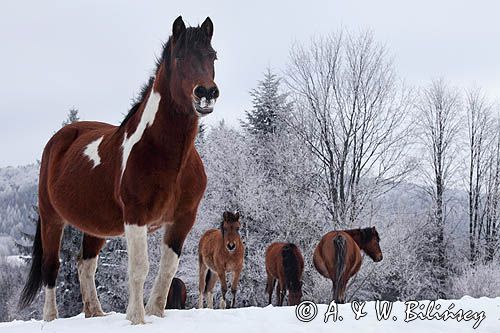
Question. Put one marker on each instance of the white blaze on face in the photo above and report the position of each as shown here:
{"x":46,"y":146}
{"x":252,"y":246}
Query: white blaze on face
{"x":92,"y":152}
{"x":147,"y":119}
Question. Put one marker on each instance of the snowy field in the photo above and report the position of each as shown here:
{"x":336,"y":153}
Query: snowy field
{"x":275,"y":319}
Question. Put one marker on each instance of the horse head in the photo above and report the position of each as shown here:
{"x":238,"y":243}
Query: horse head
{"x":295,"y":294}
{"x":189,"y":58}
{"x":370,"y":243}
{"x":230,"y":227}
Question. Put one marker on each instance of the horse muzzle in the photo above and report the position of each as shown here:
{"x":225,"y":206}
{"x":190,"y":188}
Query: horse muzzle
{"x":204,"y":99}
{"x":378,"y":258}
{"x":231,"y":246}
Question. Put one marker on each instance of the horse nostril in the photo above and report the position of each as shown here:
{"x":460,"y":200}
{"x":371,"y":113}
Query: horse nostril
{"x":200,"y":92}
{"x":213,"y":93}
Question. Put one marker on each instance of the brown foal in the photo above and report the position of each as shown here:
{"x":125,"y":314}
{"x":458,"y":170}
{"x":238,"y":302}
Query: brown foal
{"x":220,"y":251}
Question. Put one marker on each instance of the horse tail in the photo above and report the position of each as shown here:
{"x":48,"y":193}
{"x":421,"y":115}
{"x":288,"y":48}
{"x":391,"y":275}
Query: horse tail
{"x":291,"y":266}
{"x":34,"y":281}
{"x":339,"y":244}
{"x":207,"y":278}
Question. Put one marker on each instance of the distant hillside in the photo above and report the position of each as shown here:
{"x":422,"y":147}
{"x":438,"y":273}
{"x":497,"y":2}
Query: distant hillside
{"x":18,"y":195}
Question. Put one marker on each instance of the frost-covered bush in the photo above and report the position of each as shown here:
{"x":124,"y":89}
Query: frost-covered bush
{"x":477,"y":281}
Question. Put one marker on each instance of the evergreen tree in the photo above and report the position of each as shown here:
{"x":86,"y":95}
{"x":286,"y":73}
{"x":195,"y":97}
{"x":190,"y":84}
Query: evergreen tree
{"x":72,"y":117}
{"x":269,"y":104}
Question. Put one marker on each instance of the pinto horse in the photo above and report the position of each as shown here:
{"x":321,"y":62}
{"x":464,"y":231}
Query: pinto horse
{"x":220,"y":251}
{"x":177,"y":294}
{"x":123,"y":180}
{"x":338,"y":256}
{"x":284,"y":263}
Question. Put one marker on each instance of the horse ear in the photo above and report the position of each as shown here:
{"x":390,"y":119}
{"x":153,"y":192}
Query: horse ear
{"x":237,"y":215}
{"x":225,"y":216}
{"x":208,"y":27}
{"x":178,"y":27}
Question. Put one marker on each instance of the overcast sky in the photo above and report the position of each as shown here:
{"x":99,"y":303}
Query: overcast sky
{"x":95,"y":55}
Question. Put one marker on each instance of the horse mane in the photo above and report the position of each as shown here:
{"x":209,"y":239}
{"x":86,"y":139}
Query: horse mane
{"x":367,"y":234}
{"x":187,"y":40}
{"x":291,"y":266}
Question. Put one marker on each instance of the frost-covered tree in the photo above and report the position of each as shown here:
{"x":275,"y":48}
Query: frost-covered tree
{"x":268,"y":104}
{"x":72,"y":117}
{"x":439,"y":123}
{"x":351,"y":111}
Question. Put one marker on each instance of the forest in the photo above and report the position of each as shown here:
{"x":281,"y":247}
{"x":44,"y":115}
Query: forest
{"x":335,"y":139}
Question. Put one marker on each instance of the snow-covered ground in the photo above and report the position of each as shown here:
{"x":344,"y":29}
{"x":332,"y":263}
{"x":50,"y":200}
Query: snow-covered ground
{"x":275,"y":319}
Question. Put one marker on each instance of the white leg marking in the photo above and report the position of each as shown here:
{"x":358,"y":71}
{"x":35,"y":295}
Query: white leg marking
{"x":210,"y":300}
{"x":222,"y":304}
{"x":86,"y":275}
{"x":138,"y":267}
{"x":147,"y":119}
{"x":168,"y":267}
{"x":92,"y":152}
{"x":200,"y":301}
{"x":50,"y":306}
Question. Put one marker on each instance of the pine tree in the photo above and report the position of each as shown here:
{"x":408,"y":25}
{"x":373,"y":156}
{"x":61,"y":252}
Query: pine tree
{"x":72,"y":117}
{"x":269,"y":104}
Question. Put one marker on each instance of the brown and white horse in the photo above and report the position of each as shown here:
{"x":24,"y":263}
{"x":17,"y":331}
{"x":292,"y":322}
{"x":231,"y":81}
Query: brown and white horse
{"x":110,"y":181}
{"x":284,"y":263}
{"x":220,"y":251}
{"x":338,"y":256}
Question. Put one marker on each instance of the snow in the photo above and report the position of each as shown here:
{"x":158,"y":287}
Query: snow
{"x":274,"y":319}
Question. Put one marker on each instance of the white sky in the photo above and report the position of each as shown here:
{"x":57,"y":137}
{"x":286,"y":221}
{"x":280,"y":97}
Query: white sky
{"x":95,"y":55}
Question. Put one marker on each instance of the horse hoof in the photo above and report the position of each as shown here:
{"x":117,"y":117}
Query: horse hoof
{"x":136,"y":317}
{"x":222,"y":304}
{"x":95,"y":314}
{"x":49,"y":317}
{"x":91,"y":310}
{"x":154,"y":311}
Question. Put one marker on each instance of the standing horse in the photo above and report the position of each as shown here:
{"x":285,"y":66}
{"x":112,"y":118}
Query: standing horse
{"x":121,"y":180}
{"x":177,"y":294}
{"x":338,"y":256}
{"x":284,"y":263}
{"x":220,"y":251}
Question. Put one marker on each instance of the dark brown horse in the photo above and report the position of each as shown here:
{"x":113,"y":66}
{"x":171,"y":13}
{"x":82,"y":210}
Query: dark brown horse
{"x":220,"y":251}
{"x":338,"y":256}
{"x":177,"y":294}
{"x":121,"y":180}
{"x":284,"y":263}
